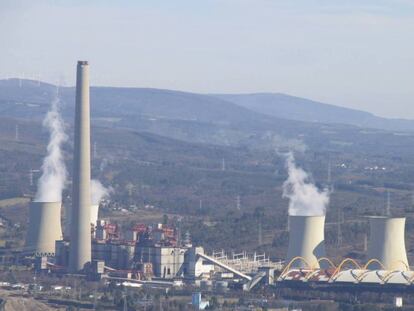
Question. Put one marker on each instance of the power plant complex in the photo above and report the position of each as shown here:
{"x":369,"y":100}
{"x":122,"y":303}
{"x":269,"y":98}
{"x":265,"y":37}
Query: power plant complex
{"x":151,"y":253}
{"x":45,"y":217}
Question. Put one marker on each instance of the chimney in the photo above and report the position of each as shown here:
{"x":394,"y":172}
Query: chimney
{"x":80,"y":246}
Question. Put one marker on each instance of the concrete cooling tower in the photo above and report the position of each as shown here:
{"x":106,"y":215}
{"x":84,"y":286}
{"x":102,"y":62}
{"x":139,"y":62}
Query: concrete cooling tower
{"x":80,"y":233}
{"x":387,"y":243}
{"x":94,"y":213}
{"x":44,"y":228}
{"x":306,"y":240}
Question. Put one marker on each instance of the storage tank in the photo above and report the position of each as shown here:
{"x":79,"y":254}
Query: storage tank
{"x":387,"y":243}
{"x":306,"y":240}
{"x":44,"y":228}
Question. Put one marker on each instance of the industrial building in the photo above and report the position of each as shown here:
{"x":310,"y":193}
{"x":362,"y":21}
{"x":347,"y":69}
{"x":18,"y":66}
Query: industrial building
{"x":152,"y":252}
{"x":146,"y":248}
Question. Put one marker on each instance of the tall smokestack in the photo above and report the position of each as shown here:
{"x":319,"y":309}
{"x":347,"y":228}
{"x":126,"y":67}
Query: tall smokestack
{"x":80,"y":246}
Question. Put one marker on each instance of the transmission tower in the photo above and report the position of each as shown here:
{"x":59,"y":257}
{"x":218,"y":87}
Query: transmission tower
{"x":16,"y":134}
{"x":339,"y":229}
{"x":95,"y":154}
{"x":365,"y":242}
{"x":260,"y":238}
{"x":388,"y":208}
{"x":238,"y":204}
{"x":329,"y":172}
{"x":31,"y":175}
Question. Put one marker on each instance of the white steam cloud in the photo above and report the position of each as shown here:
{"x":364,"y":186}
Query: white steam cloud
{"x":305,"y":199}
{"x":98,"y":192}
{"x":53,"y":179}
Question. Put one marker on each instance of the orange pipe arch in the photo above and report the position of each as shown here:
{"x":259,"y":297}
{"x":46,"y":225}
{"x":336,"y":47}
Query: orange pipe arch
{"x":388,"y":275}
{"x":328,"y":260}
{"x":363,"y":274}
{"x":409,"y":280}
{"x":338,"y":268}
{"x":374,"y":260}
{"x":293,"y":260}
{"x":345,"y":261}
{"x":365,"y":271}
{"x":308,"y":275}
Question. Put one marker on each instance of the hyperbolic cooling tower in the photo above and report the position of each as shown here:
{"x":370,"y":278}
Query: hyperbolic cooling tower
{"x":80,"y":235}
{"x":306,"y":240}
{"x":387,"y":243}
{"x":44,"y":228}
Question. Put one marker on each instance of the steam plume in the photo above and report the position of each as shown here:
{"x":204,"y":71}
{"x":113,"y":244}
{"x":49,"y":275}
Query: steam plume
{"x":98,"y":192}
{"x":52,"y":181}
{"x":305,"y":199}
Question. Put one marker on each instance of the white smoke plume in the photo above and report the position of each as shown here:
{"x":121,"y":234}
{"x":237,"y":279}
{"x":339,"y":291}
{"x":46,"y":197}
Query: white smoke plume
{"x":53,"y":179}
{"x":305,"y":199}
{"x":98,"y":192}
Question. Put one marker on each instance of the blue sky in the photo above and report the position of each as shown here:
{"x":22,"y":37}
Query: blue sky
{"x":357,"y":54}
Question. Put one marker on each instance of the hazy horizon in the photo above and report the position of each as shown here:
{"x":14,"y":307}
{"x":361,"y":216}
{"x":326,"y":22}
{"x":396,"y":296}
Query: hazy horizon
{"x":358,"y":54}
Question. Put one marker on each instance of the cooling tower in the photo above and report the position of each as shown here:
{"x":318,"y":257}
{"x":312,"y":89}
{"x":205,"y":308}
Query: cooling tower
{"x":94,"y":213}
{"x":387,"y":243}
{"x":306,"y":240}
{"x":44,"y":228}
{"x":80,"y":233}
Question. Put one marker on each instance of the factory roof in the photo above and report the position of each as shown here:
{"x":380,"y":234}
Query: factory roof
{"x":357,"y":276}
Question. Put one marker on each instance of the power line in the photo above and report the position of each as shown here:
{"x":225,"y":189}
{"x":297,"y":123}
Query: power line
{"x":17,"y":132}
{"x":260,"y":238}
{"x":388,"y":208}
{"x":339,"y":229}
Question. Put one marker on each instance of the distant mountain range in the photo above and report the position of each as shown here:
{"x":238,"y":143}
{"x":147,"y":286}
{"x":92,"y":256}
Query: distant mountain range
{"x":22,"y":97}
{"x":180,"y":115}
{"x":302,"y":109}
{"x":33,"y":98}
{"x":258,"y":121}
